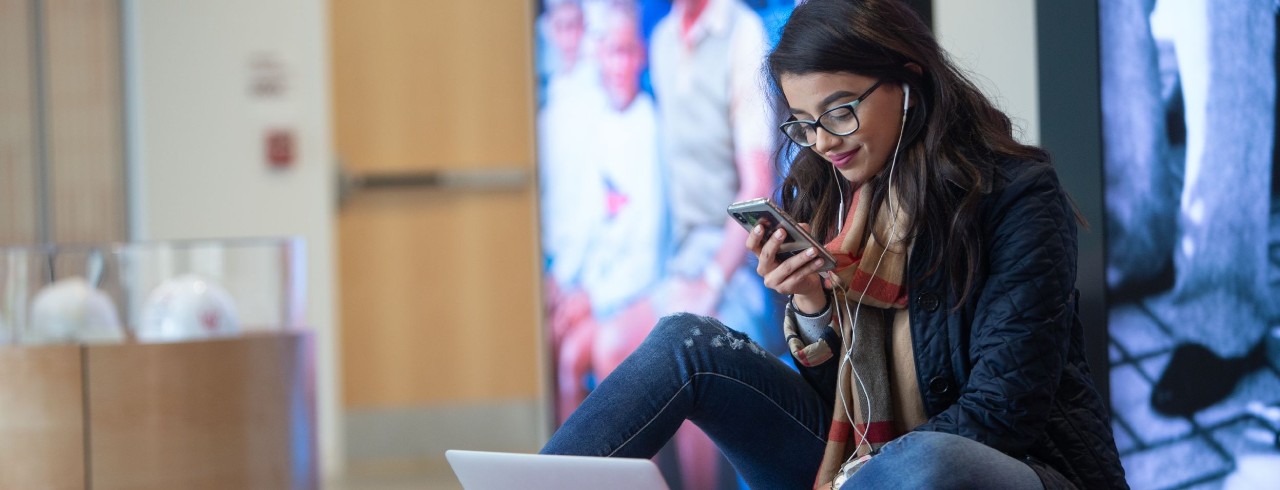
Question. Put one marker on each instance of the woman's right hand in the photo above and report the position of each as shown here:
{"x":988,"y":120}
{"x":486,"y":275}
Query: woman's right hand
{"x":796,"y":276}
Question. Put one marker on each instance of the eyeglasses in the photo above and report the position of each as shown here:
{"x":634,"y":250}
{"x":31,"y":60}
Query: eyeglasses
{"x":840,"y":120}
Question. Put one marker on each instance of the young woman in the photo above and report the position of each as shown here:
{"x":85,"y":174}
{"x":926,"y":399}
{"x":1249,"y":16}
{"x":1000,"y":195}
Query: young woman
{"x":943,"y":351}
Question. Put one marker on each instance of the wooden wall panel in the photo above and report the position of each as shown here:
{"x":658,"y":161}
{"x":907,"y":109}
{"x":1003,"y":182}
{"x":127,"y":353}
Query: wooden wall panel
{"x":18,"y":184}
{"x":84,"y":120}
{"x":41,"y":418}
{"x":439,"y":287}
{"x":420,"y":85}
{"x":434,"y":316}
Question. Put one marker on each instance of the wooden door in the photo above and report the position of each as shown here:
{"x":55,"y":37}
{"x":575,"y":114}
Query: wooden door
{"x":439,"y":299}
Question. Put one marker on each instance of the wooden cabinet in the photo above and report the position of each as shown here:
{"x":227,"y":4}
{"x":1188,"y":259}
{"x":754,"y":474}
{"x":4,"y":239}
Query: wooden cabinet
{"x":231,"y":413}
{"x":42,"y":417}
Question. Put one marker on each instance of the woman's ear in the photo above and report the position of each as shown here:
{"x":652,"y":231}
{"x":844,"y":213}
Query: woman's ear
{"x":919,"y":73}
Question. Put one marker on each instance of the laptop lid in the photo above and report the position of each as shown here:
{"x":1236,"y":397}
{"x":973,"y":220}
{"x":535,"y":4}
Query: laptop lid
{"x":481,"y":470}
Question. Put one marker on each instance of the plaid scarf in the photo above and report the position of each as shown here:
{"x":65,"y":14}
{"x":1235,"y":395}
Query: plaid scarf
{"x":878,"y":398}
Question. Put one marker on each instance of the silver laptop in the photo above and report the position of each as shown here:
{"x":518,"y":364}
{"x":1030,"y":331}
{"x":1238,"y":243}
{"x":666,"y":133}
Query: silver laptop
{"x":480,"y":470}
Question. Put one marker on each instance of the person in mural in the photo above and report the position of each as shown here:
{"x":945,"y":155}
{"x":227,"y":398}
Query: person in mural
{"x":1189,"y":99}
{"x":622,"y":259}
{"x":943,"y":351}
{"x":715,"y":139}
{"x":570,"y":195}
{"x":573,"y":95}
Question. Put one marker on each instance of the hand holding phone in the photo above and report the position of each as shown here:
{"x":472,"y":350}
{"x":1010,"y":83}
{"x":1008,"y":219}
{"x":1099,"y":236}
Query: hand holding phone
{"x":762,"y":212}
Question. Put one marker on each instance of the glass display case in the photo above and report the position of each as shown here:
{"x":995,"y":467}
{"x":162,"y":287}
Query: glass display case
{"x":160,"y":291}
{"x":177,"y":364}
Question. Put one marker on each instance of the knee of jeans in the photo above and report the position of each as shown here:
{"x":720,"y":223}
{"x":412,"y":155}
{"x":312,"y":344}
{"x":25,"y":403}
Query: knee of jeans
{"x":928,"y":442}
{"x":687,"y":331}
{"x":934,"y":458}
{"x":680,"y":326}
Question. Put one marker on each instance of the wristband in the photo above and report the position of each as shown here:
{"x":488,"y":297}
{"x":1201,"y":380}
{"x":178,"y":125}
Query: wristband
{"x":819,"y":314}
{"x":811,"y":327}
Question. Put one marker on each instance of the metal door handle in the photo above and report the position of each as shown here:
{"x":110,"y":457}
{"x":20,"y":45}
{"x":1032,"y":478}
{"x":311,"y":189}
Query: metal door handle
{"x":496,"y":179}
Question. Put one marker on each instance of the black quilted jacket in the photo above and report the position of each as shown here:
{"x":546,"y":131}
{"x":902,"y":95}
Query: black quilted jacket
{"x":1007,"y":368}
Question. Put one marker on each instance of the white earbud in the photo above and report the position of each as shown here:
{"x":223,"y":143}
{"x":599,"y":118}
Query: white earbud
{"x":906,"y":97}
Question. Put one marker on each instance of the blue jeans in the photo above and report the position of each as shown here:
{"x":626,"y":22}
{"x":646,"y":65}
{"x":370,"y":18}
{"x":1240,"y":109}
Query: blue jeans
{"x":941,"y":461}
{"x":766,"y":419}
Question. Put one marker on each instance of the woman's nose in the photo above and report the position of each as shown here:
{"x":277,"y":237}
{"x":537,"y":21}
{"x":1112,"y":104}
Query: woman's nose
{"x":824,"y":140}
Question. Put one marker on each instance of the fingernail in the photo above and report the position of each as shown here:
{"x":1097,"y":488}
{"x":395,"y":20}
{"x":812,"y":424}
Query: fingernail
{"x":811,"y":252}
{"x":779,"y":234}
{"x":757,"y":230}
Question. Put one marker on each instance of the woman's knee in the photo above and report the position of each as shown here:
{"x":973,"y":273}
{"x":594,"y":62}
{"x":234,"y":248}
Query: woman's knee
{"x":940,"y":460}
{"x":695,"y":333}
{"x":681,"y":327}
{"x":939,"y":445}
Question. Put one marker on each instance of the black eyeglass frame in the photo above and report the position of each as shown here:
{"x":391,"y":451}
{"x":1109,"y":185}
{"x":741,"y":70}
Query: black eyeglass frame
{"x":852,"y":106}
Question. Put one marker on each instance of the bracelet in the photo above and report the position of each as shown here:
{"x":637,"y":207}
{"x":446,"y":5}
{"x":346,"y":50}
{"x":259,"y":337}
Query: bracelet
{"x":821,"y":312}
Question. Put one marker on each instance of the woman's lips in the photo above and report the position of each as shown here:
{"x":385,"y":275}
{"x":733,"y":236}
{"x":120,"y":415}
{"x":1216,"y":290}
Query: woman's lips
{"x":842,"y":159}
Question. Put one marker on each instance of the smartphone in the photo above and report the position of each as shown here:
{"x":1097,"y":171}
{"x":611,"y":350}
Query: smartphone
{"x":761,"y":211}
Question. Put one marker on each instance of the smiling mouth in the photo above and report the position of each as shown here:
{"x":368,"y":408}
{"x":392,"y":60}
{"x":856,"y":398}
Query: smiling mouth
{"x":842,"y":159}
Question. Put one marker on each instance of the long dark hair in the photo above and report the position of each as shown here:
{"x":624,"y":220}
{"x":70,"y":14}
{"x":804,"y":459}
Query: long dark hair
{"x":952,"y":139}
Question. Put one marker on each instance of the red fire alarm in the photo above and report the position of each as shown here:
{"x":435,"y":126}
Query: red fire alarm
{"x":280,"y":148}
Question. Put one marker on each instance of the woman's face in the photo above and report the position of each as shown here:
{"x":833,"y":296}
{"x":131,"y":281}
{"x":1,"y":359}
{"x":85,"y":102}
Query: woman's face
{"x":861,"y":155}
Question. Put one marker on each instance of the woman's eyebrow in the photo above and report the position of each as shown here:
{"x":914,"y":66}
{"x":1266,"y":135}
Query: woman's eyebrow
{"x":827,"y":101}
{"x":836,"y":96}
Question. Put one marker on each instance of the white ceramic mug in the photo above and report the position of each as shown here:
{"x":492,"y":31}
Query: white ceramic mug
{"x":188,"y":307}
{"x":72,"y":310}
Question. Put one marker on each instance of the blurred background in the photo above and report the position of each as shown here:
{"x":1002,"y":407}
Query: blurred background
{"x":398,"y":142}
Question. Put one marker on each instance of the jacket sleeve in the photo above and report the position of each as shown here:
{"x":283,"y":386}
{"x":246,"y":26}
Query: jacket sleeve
{"x":1020,"y":331}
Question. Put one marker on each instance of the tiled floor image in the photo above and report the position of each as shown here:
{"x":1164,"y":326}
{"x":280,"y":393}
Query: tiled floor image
{"x":1231,"y":444}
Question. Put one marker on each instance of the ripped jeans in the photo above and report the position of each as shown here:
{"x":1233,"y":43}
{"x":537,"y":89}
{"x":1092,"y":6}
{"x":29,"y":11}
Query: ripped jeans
{"x":769,"y":423}
{"x":767,"y":420}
